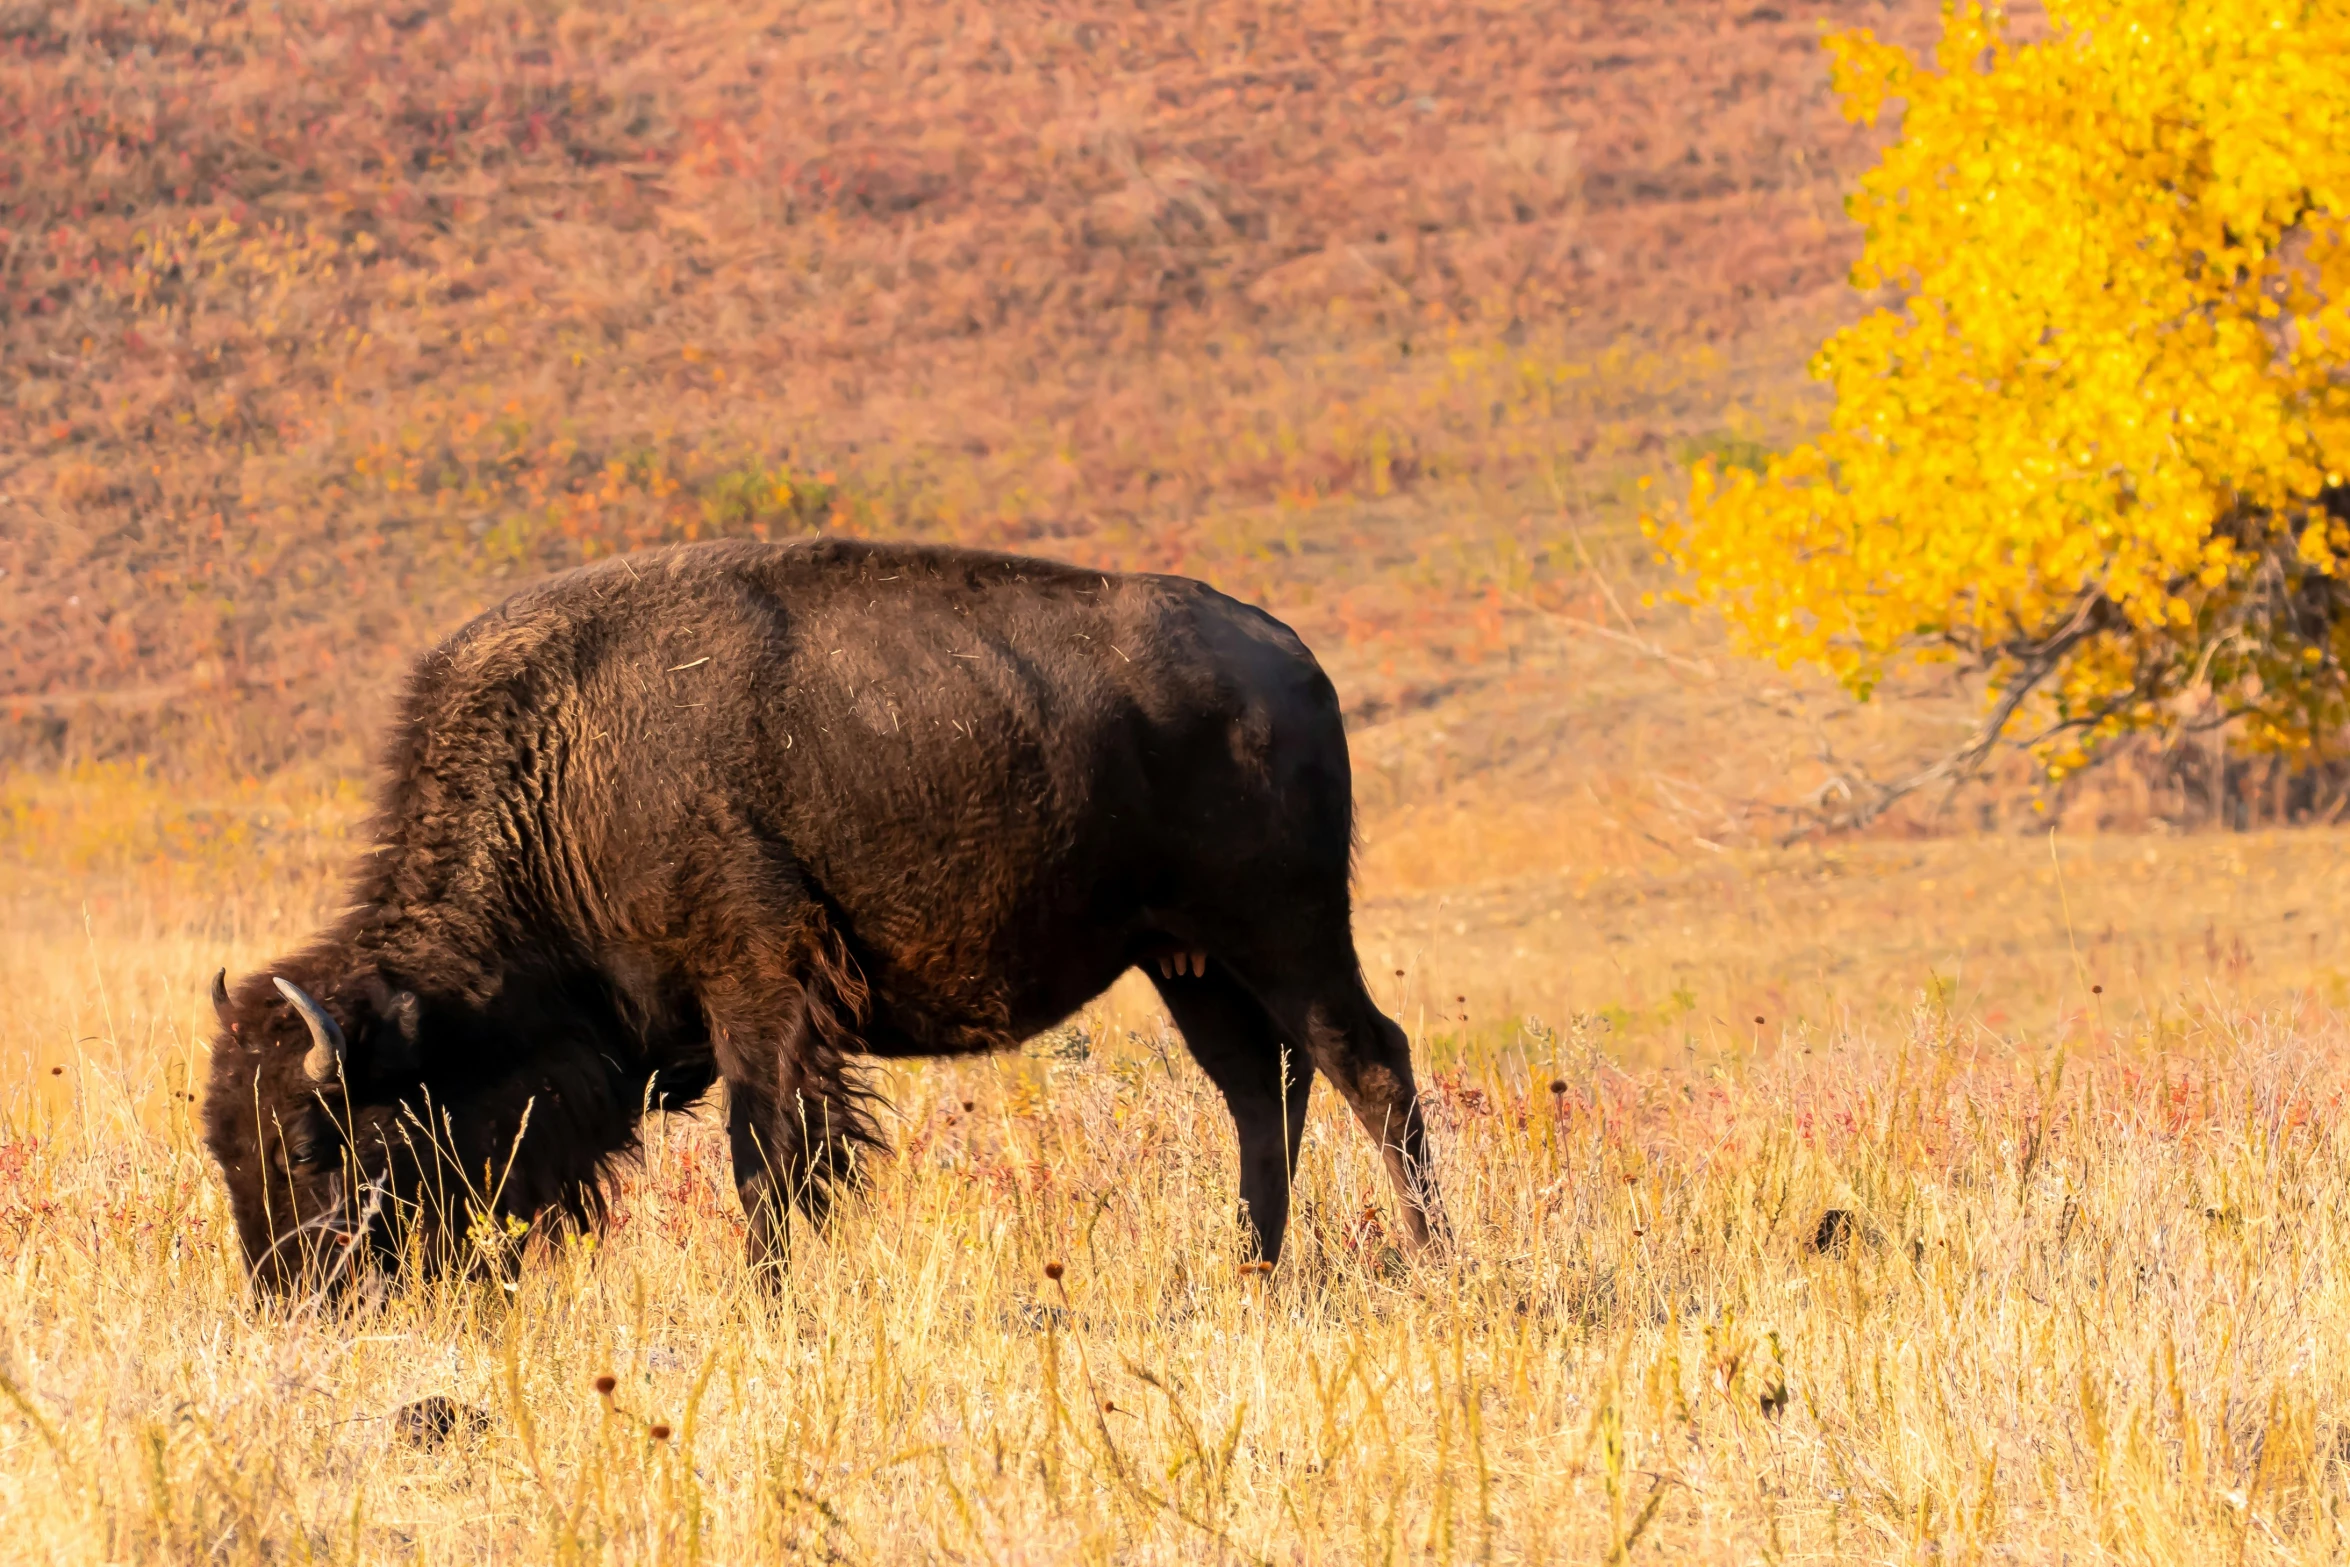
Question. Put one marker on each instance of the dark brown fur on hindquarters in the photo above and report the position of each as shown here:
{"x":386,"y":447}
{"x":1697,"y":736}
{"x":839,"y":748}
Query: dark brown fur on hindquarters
{"x":746,"y":814}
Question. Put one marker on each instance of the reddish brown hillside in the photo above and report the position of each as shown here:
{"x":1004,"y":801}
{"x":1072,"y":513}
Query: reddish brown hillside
{"x":323,"y":321}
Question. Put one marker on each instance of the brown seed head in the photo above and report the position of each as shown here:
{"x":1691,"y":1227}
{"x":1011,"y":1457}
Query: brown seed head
{"x":1558,"y":1085}
{"x":968,"y":1107}
{"x":658,"y":1431}
{"x":2096,"y":990}
{"x":1053,"y":1270}
{"x":57,"y":1071}
{"x":606,"y":1383}
{"x":1758,"y":1020}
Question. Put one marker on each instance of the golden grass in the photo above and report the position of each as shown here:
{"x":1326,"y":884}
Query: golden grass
{"x":2090,"y":1304}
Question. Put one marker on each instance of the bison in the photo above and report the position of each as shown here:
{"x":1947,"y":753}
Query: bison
{"x":743,"y":812}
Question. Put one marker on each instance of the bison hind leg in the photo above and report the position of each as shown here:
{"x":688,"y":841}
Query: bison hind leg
{"x":1265,"y":1085}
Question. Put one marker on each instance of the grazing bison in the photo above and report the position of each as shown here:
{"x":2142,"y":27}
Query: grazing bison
{"x":744,"y":812}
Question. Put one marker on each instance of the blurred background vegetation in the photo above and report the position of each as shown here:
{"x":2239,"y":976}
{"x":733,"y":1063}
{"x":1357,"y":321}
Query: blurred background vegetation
{"x":324,"y":324}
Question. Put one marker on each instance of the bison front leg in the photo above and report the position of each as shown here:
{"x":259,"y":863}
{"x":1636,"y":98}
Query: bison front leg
{"x":796,"y":1127}
{"x":763,"y":1160}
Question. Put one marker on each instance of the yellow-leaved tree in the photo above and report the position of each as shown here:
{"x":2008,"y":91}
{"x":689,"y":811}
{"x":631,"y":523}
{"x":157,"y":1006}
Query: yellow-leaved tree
{"x":2099,"y":447}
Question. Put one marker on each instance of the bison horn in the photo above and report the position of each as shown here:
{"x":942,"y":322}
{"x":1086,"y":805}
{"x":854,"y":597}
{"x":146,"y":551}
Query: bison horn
{"x":220,"y":1000}
{"x":324,"y":1063}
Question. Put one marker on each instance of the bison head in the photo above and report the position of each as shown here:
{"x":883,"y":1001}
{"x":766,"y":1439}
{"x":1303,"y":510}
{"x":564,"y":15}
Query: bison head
{"x":306,"y":1115}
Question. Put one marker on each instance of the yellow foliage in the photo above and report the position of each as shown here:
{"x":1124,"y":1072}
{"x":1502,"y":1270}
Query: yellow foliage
{"x":2098,"y":446}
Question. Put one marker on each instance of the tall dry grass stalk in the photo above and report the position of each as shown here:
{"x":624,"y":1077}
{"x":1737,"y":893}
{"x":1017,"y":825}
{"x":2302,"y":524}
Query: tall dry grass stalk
{"x":2082,"y":1303}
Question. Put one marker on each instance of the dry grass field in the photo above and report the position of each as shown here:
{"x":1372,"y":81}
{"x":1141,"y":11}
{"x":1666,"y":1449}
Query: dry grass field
{"x":1973,"y":1189}
{"x":2079,"y":1104}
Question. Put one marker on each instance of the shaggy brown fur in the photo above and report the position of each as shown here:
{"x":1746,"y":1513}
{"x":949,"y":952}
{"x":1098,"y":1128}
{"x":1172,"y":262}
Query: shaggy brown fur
{"x":742,"y":812}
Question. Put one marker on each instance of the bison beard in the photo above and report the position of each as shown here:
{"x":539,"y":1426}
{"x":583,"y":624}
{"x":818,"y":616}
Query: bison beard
{"x":743,"y":812}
